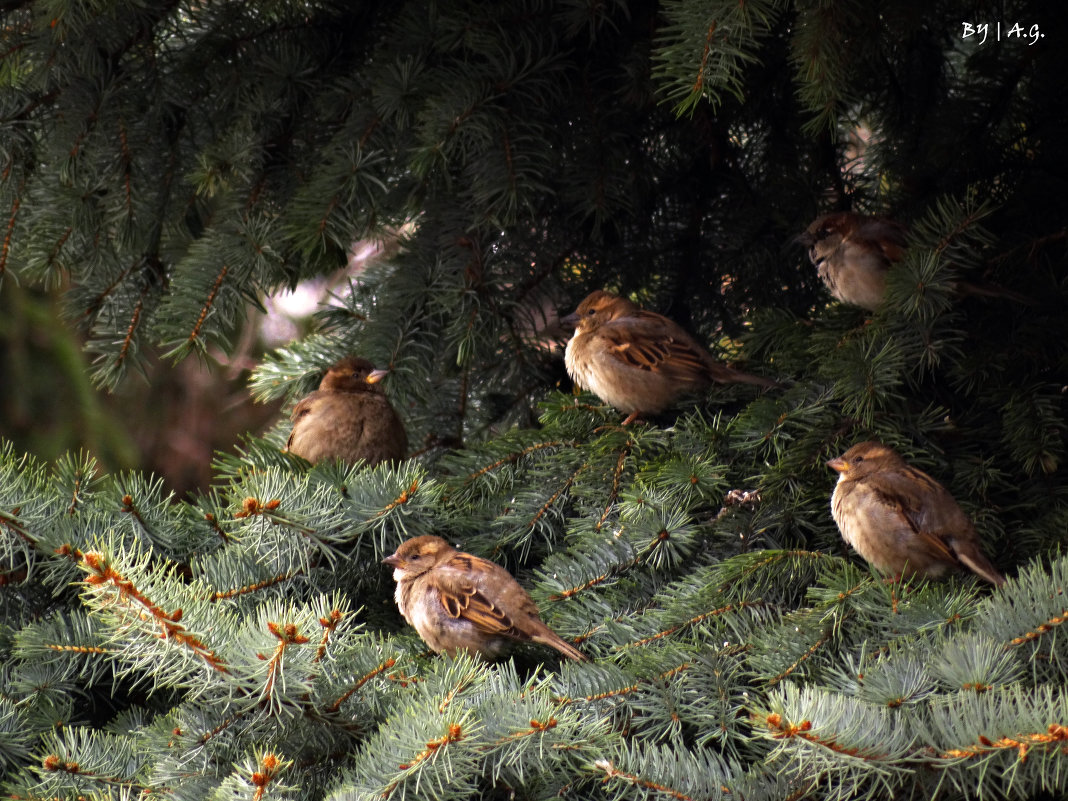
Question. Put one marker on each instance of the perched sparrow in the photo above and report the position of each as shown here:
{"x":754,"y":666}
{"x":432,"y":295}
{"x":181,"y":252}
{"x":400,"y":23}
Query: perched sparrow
{"x":348,"y":417}
{"x":853,"y":254}
{"x":637,"y":360}
{"x":459,"y":601}
{"x":900,"y":519}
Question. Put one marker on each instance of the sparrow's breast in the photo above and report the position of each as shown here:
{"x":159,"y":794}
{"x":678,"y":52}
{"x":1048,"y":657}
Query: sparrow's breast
{"x":859,"y":275}
{"x":875,"y":530}
{"x":576,"y":359}
{"x":403,"y":595}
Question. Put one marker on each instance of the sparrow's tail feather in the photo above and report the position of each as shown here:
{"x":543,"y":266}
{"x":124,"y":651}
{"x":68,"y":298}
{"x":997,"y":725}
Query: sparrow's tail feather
{"x":563,"y":646}
{"x":728,"y":375}
{"x":981,"y":566}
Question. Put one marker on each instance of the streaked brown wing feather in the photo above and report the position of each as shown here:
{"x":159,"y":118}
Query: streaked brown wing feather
{"x":302,"y":408}
{"x":886,"y":235}
{"x":912,"y":493}
{"x":936,"y":545}
{"x":646,"y":344}
{"x":462,"y":599}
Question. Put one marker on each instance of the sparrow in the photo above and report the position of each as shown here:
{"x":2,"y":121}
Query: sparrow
{"x":457,"y":601}
{"x":639,"y":361}
{"x":853,"y":254}
{"x":348,"y":418}
{"x":900,"y":519}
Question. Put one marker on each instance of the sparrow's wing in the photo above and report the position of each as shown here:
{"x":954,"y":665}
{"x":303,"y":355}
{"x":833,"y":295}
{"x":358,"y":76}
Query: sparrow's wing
{"x":462,"y":597}
{"x":886,"y":235}
{"x":940,"y":523}
{"x":647,"y":341}
{"x":302,"y":409}
{"x":925,"y":506}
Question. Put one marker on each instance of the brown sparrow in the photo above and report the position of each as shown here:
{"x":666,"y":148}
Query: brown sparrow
{"x":853,"y":253}
{"x":348,"y":418}
{"x":457,"y":601}
{"x":636,"y":360}
{"x":900,"y":519}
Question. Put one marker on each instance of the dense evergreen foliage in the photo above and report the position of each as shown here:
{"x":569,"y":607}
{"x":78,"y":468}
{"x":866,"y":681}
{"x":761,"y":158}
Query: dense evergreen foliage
{"x":168,"y":163}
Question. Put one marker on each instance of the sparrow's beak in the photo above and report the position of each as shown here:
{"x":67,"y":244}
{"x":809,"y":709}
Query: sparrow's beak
{"x":393,"y":560}
{"x":375,"y":376}
{"x":570,"y":320}
{"x":806,"y":239}
{"x":838,"y":464}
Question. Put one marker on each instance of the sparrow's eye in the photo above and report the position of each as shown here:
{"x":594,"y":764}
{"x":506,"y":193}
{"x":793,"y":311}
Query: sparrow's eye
{"x":858,"y":458}
{"x":823,"y":233}
{"x":591,"y":312}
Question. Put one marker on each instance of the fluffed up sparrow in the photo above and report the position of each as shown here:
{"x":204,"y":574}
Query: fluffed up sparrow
{"x":900,"y":519}
{"x":457,"y":601}
{"x":853,"y":253}
{"x":348,"y":418}
{"x":639,"y":361}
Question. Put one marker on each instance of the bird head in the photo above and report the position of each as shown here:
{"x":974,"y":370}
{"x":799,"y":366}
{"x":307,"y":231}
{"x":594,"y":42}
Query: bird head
{"x":352,"y":374}
{"x":418,"y":555}
{"x":864,"y":458}
{"x":877,"y":235}
{"x":598,"y":308}
{"x":827,"y":233}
